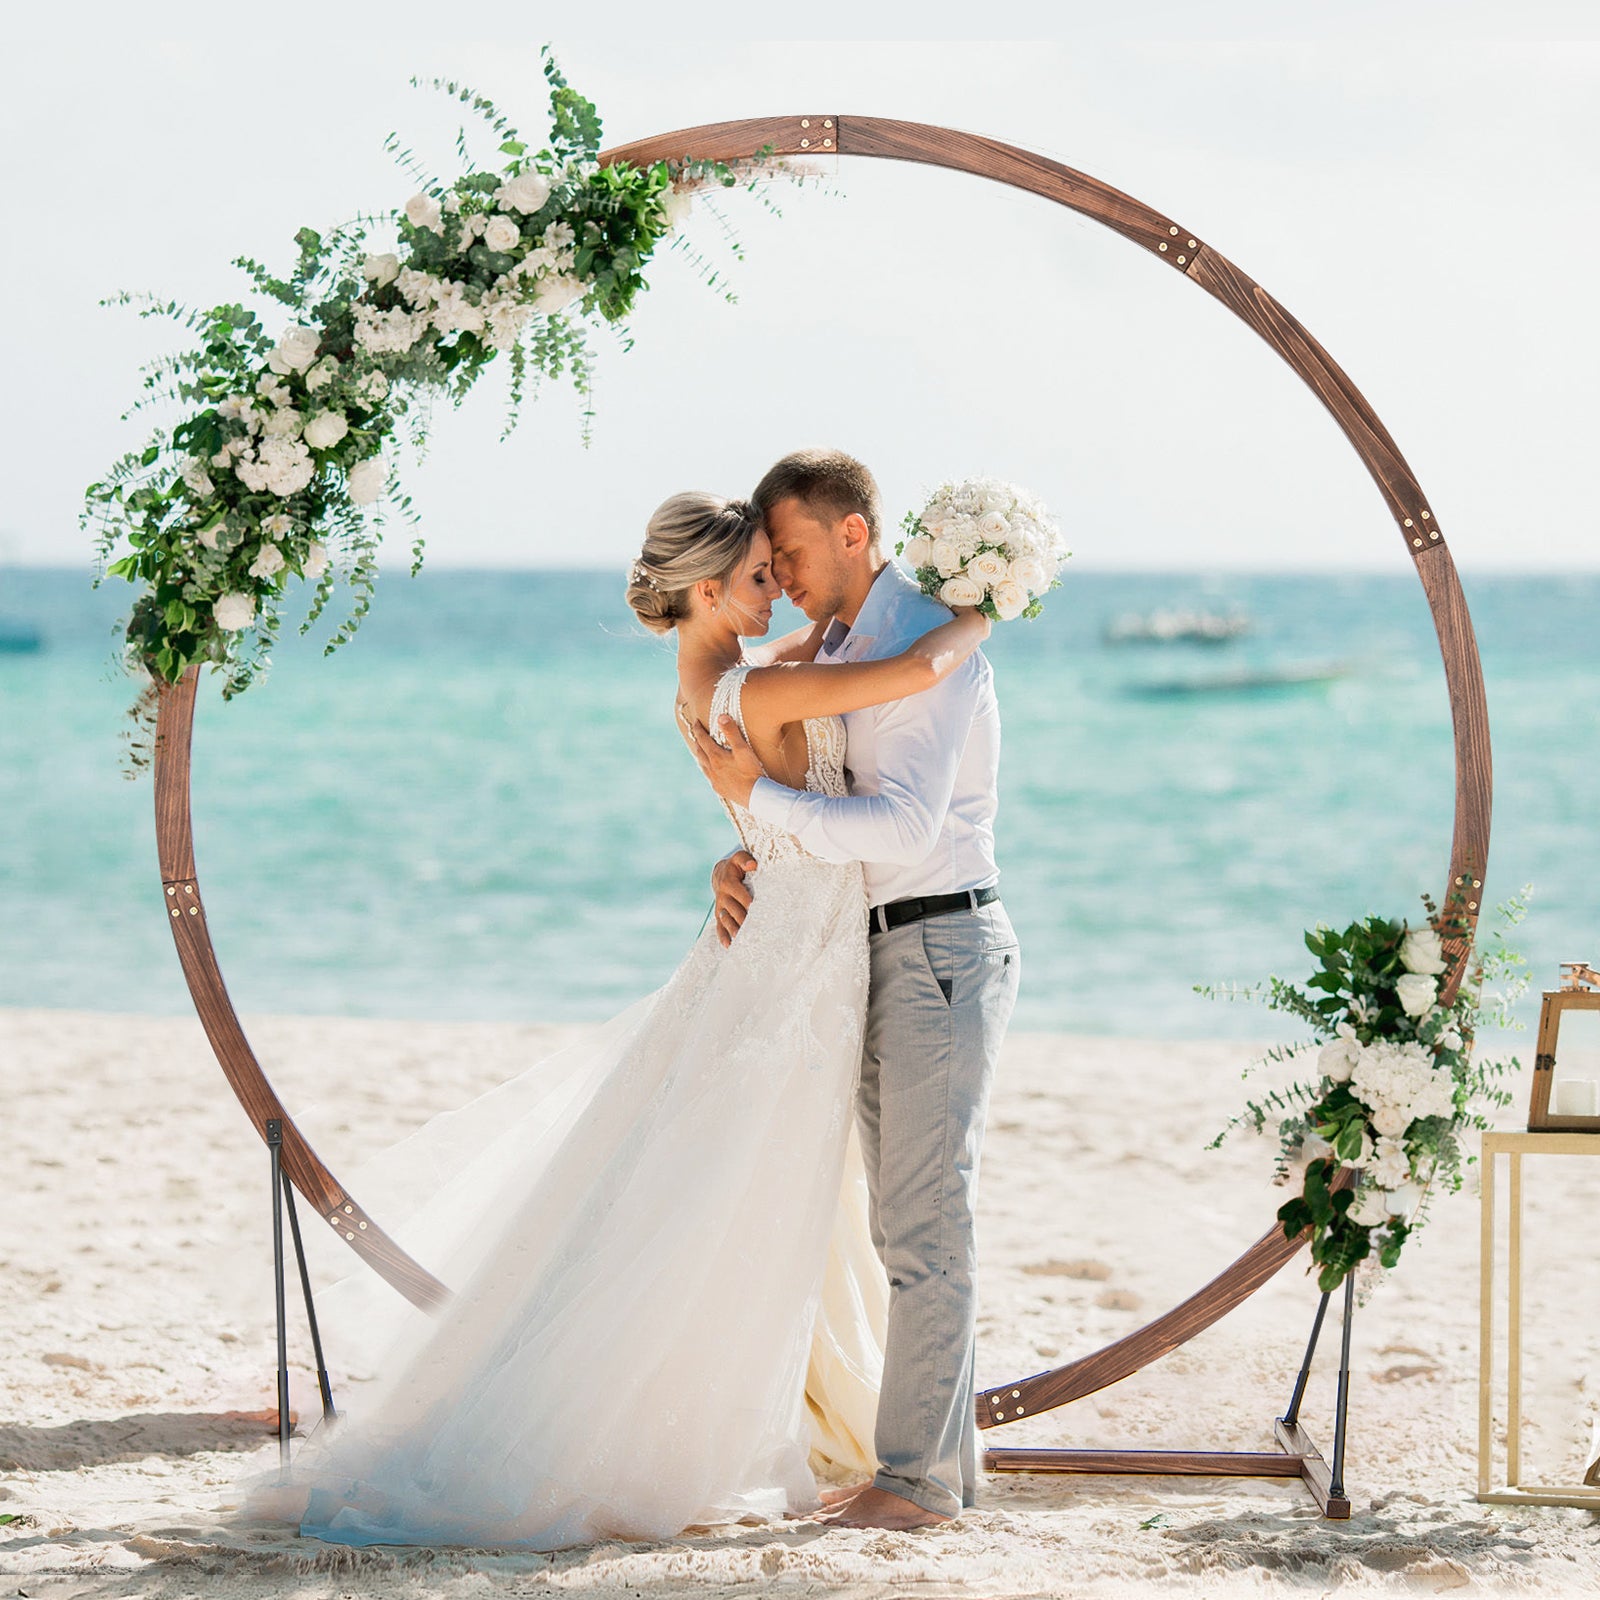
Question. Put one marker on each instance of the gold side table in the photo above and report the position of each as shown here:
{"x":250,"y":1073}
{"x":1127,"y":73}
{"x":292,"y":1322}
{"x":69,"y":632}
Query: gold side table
{"x":1512,"y":1491}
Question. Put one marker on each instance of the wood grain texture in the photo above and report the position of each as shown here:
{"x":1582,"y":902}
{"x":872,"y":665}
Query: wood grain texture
{"x":185,"y":912}
{"x":1181,"y":1463}
{"x":1317,"y":1473}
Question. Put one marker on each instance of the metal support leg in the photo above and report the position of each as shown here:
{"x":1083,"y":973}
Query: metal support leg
{"x":1343,"y":1414}
{"x":1292,"y":1415}
{"x":328,"y":1413}
{"x":275,"y":1150}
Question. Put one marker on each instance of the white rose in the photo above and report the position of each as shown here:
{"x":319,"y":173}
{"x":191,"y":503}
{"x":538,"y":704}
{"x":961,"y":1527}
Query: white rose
{"x":295,"y":351}
{"x":269,"y":559}
{"x":234,"y":611}
{"x":502,"y":234}
{"x":918,"y":550}
{"x":1337,"y":1058}
{"x":325,"y":371}
{"x":1010,"y":599}
{"x":1391,"y":1120}
{"x":1404,"y":1200}
{"x":526,"y":192}
{"x":1370,"y":1208}
{"x":423,"y":211}
{"x":1450,"y":1038}
{"x":366,"y":480}
{"x":946,"y":556}
{"x":1421,"y":951}
{"x":1030,"y":573}
{"x":316,"y":561}
{"x":284,"y":424}
{"x":989,"y":567}
{"x":380,"y":270}
{"x":326,"y":429}
{"x":1417,"y":992}
{"x":961,"y":591}
{"x":993,"y":526}
{"x":554,"y":293}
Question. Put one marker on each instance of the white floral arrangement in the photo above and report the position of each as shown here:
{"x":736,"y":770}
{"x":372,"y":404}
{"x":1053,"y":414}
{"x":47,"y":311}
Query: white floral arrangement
{"x":1397,"y":1087}
{"x":278,"y":468}
{"x":985,"y":543}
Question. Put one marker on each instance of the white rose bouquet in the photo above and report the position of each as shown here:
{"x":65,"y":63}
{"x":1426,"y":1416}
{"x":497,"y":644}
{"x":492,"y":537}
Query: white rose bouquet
{"x":1397,"y":1086}
{"x":984,"y":543}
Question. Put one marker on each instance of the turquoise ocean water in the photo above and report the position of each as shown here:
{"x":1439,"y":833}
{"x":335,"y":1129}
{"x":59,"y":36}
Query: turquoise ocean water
{"x":481,"y":809}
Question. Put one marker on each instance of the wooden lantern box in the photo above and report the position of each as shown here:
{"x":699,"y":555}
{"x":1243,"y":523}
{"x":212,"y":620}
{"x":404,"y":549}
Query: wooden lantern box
{"x":1579,"y":991}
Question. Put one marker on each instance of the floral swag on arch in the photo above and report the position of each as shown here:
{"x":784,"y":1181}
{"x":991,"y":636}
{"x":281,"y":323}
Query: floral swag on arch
{"x":283,"y":461}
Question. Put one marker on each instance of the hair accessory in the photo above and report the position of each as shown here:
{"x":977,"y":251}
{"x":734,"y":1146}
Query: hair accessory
{"x":641,"y":576}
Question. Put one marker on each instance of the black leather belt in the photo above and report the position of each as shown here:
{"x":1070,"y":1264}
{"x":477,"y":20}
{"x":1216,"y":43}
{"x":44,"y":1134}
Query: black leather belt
{"x":880,"y":919}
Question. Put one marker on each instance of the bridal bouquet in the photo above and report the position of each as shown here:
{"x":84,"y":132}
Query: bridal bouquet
{"x":1397,"y":1087}
{"x":985,"y":543}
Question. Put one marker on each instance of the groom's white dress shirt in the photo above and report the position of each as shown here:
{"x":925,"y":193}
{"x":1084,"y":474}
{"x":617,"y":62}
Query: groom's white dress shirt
{"x":923,"y":770}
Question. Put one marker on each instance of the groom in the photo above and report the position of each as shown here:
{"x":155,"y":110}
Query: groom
{"x":944,"y":960}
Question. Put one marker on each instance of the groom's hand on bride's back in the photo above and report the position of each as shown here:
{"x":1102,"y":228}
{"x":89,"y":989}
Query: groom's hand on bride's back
{"x":732,"y":892}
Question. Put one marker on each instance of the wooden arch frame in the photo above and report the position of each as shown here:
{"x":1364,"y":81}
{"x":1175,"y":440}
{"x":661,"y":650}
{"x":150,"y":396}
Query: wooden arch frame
{"x":1185,"y":252}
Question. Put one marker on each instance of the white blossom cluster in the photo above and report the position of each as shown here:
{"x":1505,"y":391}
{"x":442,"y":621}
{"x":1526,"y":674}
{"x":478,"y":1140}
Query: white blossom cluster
{"x":1400,"y":1082}
{"x":981,"y":542}
{"x":317,"y":412}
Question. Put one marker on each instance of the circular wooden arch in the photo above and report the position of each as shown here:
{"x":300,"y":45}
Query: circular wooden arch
{"x":1186,"y":253}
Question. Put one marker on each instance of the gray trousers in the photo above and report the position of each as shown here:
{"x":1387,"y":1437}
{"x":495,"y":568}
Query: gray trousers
{"x":942,"y":994}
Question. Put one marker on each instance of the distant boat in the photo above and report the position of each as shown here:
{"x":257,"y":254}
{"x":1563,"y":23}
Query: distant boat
{"x":1176,"y":625}
{"x":19,"y":638}
{"x":1238,"y":680}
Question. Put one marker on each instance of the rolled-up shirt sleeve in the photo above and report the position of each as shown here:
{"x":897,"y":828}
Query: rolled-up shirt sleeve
{"x":917,"y":763}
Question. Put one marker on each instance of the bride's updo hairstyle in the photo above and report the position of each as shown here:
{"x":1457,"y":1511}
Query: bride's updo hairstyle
{"x":689,"y":538}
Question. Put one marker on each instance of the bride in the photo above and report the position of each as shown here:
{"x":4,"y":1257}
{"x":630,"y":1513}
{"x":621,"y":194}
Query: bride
{"x":639,"y":1228}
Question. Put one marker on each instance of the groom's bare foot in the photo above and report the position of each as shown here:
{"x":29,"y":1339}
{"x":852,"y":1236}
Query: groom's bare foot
{"x":841,"y":1496}
{"x":878,"y":1508}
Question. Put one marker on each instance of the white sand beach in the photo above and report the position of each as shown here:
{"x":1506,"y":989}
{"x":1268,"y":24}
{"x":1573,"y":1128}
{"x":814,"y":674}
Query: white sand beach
{"x":138,"y":1327}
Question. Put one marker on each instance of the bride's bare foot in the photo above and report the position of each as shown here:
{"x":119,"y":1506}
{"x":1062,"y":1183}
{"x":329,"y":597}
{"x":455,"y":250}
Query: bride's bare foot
{"x":878,"y":1508}
{"x":842,"y":1495}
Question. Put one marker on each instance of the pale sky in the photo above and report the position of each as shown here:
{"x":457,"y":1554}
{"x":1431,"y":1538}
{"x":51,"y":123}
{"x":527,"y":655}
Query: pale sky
{"x":1418,"y":184}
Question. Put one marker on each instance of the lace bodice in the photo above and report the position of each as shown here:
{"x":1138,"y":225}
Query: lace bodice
{"x":825,"y":770}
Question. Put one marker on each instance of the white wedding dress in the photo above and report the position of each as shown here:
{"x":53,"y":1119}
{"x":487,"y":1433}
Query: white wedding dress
{"x":667,"y":1300}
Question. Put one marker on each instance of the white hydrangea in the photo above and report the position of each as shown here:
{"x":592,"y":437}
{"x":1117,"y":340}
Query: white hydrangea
{"x":279,"y":466}
{"x":419,"y":288}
